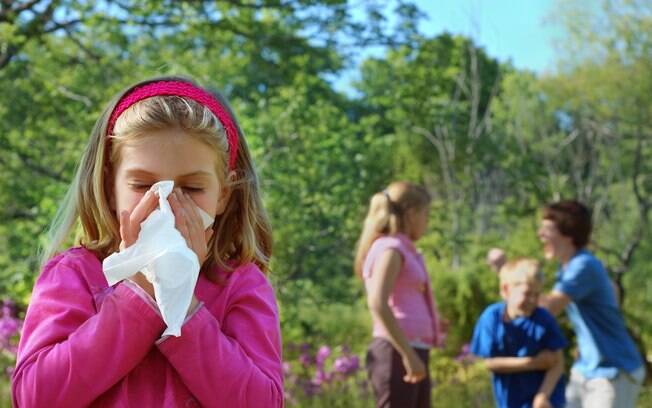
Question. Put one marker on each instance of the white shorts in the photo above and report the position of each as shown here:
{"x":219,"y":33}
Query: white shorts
{"x":618,"y":392}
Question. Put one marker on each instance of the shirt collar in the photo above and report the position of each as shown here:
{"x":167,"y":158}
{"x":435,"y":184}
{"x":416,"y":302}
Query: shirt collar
{"x":405,"y":240}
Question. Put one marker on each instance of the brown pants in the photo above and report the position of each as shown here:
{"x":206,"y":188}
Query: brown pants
{"x":386,"y":371}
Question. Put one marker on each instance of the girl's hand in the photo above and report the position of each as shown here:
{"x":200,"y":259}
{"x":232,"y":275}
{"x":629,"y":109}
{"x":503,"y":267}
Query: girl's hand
{"x":130,"y":221}
{"x":189,"y":223}
{"x":130,"y":228}
{"x":414,"y":367}
{"x":541,"y":401}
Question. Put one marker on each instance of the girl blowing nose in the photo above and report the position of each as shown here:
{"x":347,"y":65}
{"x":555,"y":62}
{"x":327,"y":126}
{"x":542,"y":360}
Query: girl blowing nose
{"x":86,"y":343}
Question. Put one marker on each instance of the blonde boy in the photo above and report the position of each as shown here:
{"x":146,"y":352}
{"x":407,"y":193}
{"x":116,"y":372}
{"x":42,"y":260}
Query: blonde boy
{"x":520,"y":342}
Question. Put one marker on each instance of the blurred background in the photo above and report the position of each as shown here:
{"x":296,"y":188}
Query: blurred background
{"x":497,"y":107}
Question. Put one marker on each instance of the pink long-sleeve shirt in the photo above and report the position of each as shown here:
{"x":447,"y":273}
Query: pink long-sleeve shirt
{"x":87,"y":344}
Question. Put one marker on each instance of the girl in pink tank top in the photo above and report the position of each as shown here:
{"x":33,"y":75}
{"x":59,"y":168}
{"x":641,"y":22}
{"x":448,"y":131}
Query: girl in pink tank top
{"x":399,"y":296}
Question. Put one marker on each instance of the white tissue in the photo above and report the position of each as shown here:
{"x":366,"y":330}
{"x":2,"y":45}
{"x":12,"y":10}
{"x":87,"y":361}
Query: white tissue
{"x":162,"y":255}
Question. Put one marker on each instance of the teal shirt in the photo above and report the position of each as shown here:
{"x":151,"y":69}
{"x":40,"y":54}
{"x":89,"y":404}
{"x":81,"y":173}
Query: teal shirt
{"x":605,"y":346}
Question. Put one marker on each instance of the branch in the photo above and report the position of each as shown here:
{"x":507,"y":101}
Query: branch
{"x":23,"y":7}
{"x":266,"y":5}
{"x":61,"y":26}
{"x":13,"y":214}
{"x":609,"y":251}
{"x":31,"y":164}
{"x":81,"y":46}
{"x":75,"y":97}
{"x":7,"y":55}
{"x":644,"y":204}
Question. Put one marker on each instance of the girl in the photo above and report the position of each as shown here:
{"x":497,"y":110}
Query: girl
{"x":85,"y":343}
{"x":399,"y":296}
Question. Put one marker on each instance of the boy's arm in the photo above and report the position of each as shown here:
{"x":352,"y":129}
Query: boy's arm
{"x":550,"y":380}
{"x":544,"y":360}
{"x":555,"y":302}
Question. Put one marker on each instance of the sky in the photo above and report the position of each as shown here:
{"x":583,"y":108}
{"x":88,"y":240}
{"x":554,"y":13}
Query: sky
{"x":508,"y":29}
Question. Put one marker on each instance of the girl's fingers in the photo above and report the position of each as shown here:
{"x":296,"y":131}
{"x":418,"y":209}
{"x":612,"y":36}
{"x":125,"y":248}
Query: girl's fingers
{"x":198,"y":236}
{"x":124,"y":228}
{"x":195,"y":225}
{"x":181,"y":219}
{"x":194,"y":218}
{"x":177,"y":209}
{"x":143,"y":209}
{"x":208,"y":234}
{"x":413,"y":378}
{"x":145,"y":206}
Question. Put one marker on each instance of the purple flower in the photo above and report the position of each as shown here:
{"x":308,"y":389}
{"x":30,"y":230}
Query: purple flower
{"x":346,"y":364}
{"x":9,"y":325}
{"x":322,"y":354}
{"x":287,"y":368}
{"x":321,"y":377}
{"x":305,"y":359}
{"x":465,"y":355}
{"x":354,"y":364}
{"x":341,"y":364}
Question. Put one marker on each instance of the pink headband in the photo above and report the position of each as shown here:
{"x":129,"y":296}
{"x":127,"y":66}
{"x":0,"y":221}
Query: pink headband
{"x":186,"y":90}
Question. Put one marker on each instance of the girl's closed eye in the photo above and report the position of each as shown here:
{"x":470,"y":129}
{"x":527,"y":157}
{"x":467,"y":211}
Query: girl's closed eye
{"x":191,"y":189}
{"x":140,"y":186}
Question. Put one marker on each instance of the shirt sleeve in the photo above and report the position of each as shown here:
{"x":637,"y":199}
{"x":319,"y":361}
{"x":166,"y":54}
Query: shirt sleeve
{"x":483,"y":341}
{"x":578,"y":280}
{"x":70,"y":353}
{"x":553,"y":339}
{"x":235,"y":363}
{"x":379,"y":246}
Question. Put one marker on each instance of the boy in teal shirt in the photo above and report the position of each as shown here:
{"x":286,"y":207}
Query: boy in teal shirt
{"x":609,"y":370}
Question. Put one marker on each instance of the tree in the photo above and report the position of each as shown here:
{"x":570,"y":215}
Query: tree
{"x":432,"y":101}
{"x":63,"y":59}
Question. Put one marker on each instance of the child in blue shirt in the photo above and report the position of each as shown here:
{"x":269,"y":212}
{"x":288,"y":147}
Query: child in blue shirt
{"x":609,"y":370}
{"x":520,"y":342}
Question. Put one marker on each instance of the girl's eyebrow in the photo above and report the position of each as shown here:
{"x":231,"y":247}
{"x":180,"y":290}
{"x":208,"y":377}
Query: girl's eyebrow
{"x":144,"y":173}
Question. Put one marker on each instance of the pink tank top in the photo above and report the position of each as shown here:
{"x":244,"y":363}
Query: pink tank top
{"x":411,"y":299}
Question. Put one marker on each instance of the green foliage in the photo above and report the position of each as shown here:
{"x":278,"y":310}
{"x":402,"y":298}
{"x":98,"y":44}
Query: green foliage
{"x":318,"y":170}
{"x":310,"y":319}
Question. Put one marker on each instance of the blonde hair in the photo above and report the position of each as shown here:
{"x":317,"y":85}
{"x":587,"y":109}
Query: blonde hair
{"x":386,"y":216}
{"x":242,"y":231}
{"x":520,"y":269}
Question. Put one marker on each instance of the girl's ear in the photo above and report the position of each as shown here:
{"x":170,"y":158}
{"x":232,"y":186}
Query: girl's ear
{"x":407,"y":219}
{"x":225,"y":193}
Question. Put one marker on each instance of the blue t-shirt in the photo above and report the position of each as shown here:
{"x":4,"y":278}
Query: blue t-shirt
{"x":602,"y":339}
{"x":520,"y":337}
